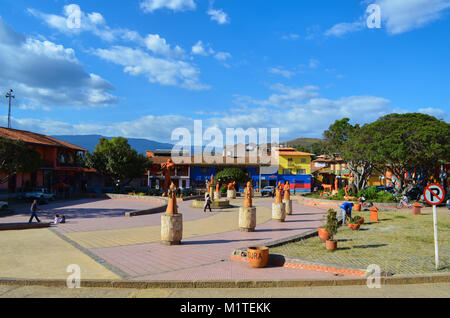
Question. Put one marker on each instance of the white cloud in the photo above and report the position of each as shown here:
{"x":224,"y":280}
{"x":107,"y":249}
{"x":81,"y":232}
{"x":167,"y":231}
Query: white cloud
{"x":298,"y":112}
{"x":45,"y":73}
{"x":199,"y":49}
{"x":159,"y":46}
{"x":437,"y":112}
{"x":92,"y":22}
{"x":222,"y":56}
{"x":165,"y":72}
{"x":398,"y":16}
{"x":219,"y":16}
{"x":341,"y":29}
{"x":405,"y":15}
{"x":282,"y":72}
{"x":149,"y":6}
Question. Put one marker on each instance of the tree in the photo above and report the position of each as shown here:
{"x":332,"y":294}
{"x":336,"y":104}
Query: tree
{"x":337,"y":135}
{"x":116,"y":159}
{"x":345,"y":140}
{"x":15,"y":157}
{"x":404,"y":142}
{"x":231,"y":174}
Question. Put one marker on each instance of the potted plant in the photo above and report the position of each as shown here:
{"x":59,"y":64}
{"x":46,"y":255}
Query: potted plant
{"x":323,"y":234}
{"x":331,"y":227}
{"x":359,"y":219}
{"x":353,"y":223}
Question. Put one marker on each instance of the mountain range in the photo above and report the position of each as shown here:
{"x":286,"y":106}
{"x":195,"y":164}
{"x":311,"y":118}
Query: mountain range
{"x":90,"y":141}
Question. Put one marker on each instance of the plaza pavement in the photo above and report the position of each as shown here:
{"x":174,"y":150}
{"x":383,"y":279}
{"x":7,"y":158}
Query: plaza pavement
{"x":107,"y":245}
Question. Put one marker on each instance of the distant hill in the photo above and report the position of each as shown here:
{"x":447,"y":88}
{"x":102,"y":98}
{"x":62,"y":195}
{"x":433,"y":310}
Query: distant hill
{"x":305,"y":142}
{"x":90,"y":141}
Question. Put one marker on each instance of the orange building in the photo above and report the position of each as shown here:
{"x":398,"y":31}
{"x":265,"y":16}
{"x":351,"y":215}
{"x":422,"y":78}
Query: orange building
{"x":61,"y":169}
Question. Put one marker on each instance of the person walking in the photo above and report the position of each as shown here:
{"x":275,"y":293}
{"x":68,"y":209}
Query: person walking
{"x":207,"y":203}
{"x":33,"y":209}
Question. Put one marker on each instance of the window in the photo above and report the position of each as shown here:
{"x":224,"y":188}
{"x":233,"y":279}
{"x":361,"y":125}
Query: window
{"x":287,"y":171}
{"x":301,"y":171}
{"x":290,"y":162}
{"x":303,"y":160}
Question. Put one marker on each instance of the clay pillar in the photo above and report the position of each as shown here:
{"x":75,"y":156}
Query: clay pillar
{"x":373,"y":214}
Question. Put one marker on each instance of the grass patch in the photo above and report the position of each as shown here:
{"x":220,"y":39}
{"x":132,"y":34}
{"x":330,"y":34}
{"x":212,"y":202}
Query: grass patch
{"x":402,"y":243}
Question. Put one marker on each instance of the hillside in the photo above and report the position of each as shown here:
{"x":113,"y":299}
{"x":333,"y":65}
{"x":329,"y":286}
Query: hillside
{"x":90,"y":141}
{"x":305,"y":142}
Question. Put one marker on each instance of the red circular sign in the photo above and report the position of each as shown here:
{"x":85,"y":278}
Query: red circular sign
{"x":434,"y":194}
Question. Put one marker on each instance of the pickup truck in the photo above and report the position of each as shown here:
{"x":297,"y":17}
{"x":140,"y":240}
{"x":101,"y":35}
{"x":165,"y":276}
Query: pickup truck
{"x":267,"y":191}
{"x":40,"y":194}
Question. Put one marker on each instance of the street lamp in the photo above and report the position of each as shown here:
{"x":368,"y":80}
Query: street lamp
{"x":9,"y":95}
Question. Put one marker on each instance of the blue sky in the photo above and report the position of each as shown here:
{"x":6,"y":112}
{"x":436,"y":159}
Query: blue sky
{"x":142,"y":68}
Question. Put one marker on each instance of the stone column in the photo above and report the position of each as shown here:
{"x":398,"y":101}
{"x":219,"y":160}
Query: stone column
{"x":231,"y":194}
{"x":171,"y":229}
{"x":288,"y":204}
{"x":247,"y":219}
{"x":217,"y":196}
{"x":211,"y":193}
{"x":279,"y":211}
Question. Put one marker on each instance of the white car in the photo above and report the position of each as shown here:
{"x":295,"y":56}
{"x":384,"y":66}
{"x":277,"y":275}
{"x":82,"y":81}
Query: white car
{"x":40,"y":194}
{"x":3,"y":205}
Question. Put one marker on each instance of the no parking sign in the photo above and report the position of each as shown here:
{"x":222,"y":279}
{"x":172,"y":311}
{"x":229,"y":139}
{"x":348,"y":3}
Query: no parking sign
{"x":434,"y":194}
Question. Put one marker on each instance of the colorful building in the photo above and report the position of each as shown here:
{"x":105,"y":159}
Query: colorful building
{"x":61,"y":170}
{"x":295,"y":167}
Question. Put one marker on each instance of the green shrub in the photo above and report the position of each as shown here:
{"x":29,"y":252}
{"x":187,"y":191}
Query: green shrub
{"x":385,"y":197}
{"x":332,"y":223}
{"x":369,"y":193}
{"x":223,"y":189}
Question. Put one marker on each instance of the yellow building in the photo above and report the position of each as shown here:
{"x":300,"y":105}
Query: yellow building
{"x":295,"y":167}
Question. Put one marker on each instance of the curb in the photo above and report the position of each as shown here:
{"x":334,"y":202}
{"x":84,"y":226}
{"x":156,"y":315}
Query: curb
{"x":279,"y":260}
{"x":400,"y":280}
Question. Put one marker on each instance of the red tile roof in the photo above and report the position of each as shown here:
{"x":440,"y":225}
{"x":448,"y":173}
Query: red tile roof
{"x":36,"y":139}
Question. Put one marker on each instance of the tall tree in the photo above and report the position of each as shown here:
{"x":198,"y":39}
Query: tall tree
{"x":344,"y":139}
{"x":15,"y":157}
{"x":405,"y":142}
{"x":116,"y":160}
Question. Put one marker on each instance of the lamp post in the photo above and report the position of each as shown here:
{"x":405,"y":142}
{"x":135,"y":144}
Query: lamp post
{"x":9,"y":95}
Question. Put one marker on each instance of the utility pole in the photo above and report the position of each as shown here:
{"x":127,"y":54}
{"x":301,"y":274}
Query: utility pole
{"x":9,"y":95}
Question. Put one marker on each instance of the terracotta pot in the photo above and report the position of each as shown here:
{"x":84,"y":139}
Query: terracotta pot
{"x":323,"y":234}
{"x":361,"y":221}
{"x":354,"y":227}
{"x":258,"y":256}
{"x":357,"y":207}
{"x":331,"y":245}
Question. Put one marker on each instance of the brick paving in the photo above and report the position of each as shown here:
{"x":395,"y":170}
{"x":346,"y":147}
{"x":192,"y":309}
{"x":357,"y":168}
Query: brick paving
{"x":130,"y":247}
{"x":209,"y":255}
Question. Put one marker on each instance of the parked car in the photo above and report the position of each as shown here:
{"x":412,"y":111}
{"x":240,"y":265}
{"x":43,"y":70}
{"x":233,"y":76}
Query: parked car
{"x":267,"y":191}
{"x":40,"y":194}
{"x":387,"y":189}
{"x":448,"y":204}
{"x":3,"y":205}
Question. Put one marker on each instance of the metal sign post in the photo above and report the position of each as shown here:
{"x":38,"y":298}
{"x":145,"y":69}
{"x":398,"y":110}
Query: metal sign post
{"x":434,"y":194}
